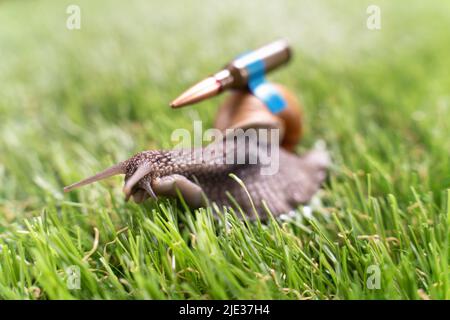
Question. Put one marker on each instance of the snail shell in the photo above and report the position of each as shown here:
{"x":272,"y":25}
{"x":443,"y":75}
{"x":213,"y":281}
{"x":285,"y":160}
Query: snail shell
{"x":243,"y":110}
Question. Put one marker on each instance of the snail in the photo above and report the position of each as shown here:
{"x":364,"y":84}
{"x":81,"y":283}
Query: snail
{"x":170,"y":173}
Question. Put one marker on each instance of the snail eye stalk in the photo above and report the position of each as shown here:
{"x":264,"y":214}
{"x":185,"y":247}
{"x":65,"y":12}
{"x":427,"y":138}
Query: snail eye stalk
{"x":140,"y":172}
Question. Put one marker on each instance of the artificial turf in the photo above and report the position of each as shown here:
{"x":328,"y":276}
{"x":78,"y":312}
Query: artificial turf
{"x":73,"y":102}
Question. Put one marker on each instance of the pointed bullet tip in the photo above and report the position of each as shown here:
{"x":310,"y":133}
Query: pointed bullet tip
{"x":175,"y":104}
{"x":204,"y":89}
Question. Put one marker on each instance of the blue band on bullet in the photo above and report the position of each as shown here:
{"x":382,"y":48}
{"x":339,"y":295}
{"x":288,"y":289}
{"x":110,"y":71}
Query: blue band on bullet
{"x":262,"y":89}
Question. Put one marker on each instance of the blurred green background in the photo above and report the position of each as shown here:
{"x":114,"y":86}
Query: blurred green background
{"x":75,"y":101}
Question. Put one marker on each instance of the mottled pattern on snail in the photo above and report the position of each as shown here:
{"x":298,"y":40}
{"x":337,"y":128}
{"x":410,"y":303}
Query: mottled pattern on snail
{"x":164,"y":172}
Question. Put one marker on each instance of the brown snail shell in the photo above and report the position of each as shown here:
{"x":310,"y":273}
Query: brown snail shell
{"x":241,"y":109}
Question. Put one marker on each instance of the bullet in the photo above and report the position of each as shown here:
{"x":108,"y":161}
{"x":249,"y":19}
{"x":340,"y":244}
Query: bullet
{"x":237,"y":73}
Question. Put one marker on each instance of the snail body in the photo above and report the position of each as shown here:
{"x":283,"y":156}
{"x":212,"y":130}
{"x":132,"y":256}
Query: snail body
{"x":158,"y":173}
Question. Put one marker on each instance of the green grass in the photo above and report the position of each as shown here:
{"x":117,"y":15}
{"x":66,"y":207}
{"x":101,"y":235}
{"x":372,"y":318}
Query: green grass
{"x":74,"y":102}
